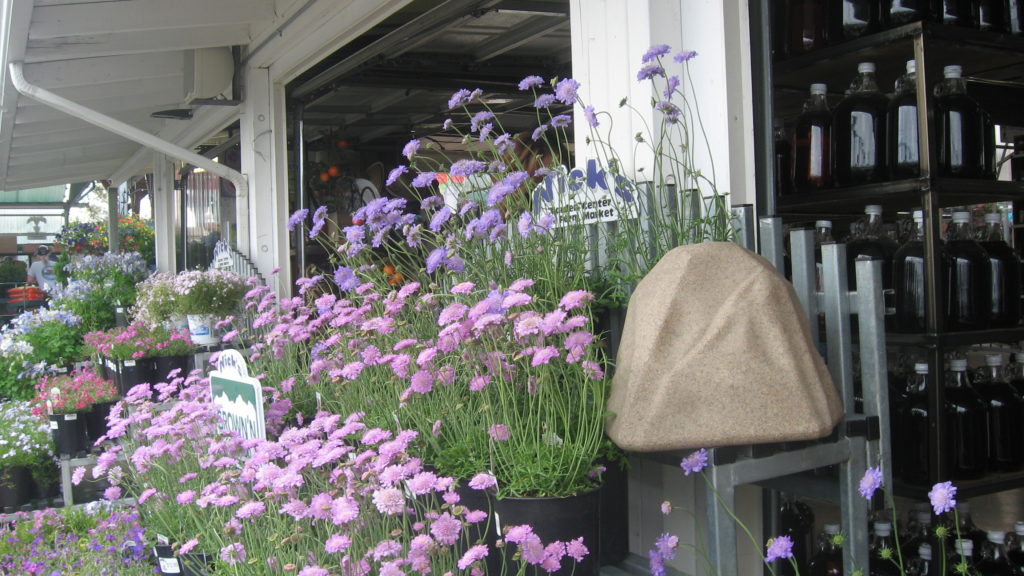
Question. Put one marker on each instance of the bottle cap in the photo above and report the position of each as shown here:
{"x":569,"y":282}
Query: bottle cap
{"x":924,"y":507}
{"x":833,"y":529}
{"x":820,"y":89}
{"x":997,"y":536}
{"x":911,"y":66}
{"x":961,"y":217}
{"x":873,"y":209}
{"x":865,"y":67}
{"x":964,"y":546}
{"x":993,"y":217}
{"x":994,"y":360}
{"x":883,"y":529}
{"x":923,"y":517}
{"x":963,"y":508}
{"x":953,"y":71}
{"x":925,"y":551}
{"x":823,"y":224}
{"x":1018,"y":357}
{"x":1018,"y":528}
{"x":921,"y":367}
{"x":918,"y":215}
{"x":958,"y":365}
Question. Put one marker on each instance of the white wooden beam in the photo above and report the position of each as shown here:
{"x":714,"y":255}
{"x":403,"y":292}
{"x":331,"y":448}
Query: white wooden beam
{"x":93,"y":46}
{"x":74,"y":156}
{"x":108,"y":69}
{"x":144,"y":15}
{"x":14,"y":25}
{"x":164,"y":216}
{"x":34,"y":144}
{"x":142,"y":121}
{"x":153,"y":90}
{"x":128,"y":104}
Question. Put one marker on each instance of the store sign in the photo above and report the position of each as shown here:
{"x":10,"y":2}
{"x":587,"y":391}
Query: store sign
{"x":585,"y":196}
{"x":238,"y":396}
{"x":222,"y":259}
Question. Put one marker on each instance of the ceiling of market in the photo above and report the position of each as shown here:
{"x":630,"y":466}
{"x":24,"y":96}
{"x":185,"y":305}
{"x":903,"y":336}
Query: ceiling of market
{"x":128,"y":59}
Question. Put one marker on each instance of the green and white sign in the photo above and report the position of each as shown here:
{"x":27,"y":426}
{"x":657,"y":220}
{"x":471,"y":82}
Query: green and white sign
{"x":239,"y":397}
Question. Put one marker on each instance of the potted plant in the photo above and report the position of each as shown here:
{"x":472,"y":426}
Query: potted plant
{"x":156,"y":302}
{"x":172,"y":354}
{"x":24,"y":442}
{"x":100,"y":287}
{"x":64,"y":400}
{"x":87,"y":390}
{"x":206,"y":297}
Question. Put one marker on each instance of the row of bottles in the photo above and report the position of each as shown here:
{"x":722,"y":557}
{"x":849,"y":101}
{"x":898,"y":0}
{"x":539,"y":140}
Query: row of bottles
{"x":805,"y":25}
{"x":984,"y":413}
{"x":980,"y":272}
{"x":986,"y":553}
{"x":871,"y":138}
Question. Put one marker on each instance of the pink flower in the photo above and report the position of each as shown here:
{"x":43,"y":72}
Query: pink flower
{"x":479,"y":382}
{"x":389,"y":501}
{"x":422,"y":483}
{"x":518,"y":534}
{"x":452,"y":313}
{"x":186,"y":497}
{"x":313,"y":571}
{"x":446,"y":529}
{"x":337,"y":543}
{"x":498,"y":432}
{"x":233,"y":553}
{"x":576,"y":549}
{"x":78,"y":475}
{"x":483,"y":481}
{"x":463,"y":288}
{"x":112,"y":493}
{"x":544,"y":355}
{"x":436,"y":428}
{"x":344,"y":510}
{"x":188,"y":546}
{"x":474,"y":516}
{"x":422,"y":382}
{"x":250,"y":510}
{"x":472,"y":555}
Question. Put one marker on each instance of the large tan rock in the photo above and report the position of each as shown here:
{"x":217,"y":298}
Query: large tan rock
{"x":715,"y":351}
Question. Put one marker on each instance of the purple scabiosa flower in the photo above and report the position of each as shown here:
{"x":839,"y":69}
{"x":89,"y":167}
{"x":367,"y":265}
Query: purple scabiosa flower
{"x":233,"y":553}
{"x":250,"y":510}
{"x":650,"y":71}
{"x":479,"y":119}
{"x":467,"y":167}
{"x":386,"y":549}
{"x":375,"y":436}
{"x":666,"y":545}
{"x":525,"y":224}
{"x":459,"y":98}
{"x":504,"y":143}
{"x":435,"y":430}
{"x":544,"y":100}
{"x":485,"y":131}
{"x":78,"y":475}
{"x":695,"y":462}
{"x":544,"y":355}
{"x":656,"y":563}
{"x":344,"y":509}
{"x":576,"y":550}
{"x":475,"y":516}
{"x":575,"y":299}
{"x":345,"y":278}
{"x":871,"y":481}
{"x":185,"y":497}
{"x":410,"y":148}
{"x":395,"y":174}
{"x":479,"y":382}
{"x":297,"y":218}
{"x":318,"y":221}
{"x":426,"y":356}
{"x":474,"y":554}
{"x":779,"y":548}
{"x":112,"y":493}
{"x":440,"y":218}
{"x":655,"y":51}
{"x":670,"y":110}
{"x":561,"y":121}
{"x":539,"y":131}
{"x":670,"y":87}
{"x":462,"y":288}
{"x":389,"y":501}
{"x":422,"y":382}
{"x":483,"y":481}
{"x":448,"y":123}
{"x":566,"y":91}
{"x":435,"y":259}
{"x":446,"y":529}
{"x":685,"y":56}
{"x":188,"y":546}
{"x":498,"y":432}
{"x":422,"y":483}
{"x":424,"y":179}
{"x":530,"y":82}
{"x":337,"y":543}
{"x":146,"y":495}
{"x":591,"y":116}
{"x":666,"y":507}
{"x":313,"y":571}
{"x":942,"y":497}
{"x":498,"y":193}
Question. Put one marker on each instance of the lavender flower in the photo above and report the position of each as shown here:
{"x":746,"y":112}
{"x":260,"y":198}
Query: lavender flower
{"x":655,"y":51}
{"x":942,"y":497}
{"x":650,"y":71}
{"x":297,"y":218}
{"x":684,"y":56}
{"x":395,"y":174}
{"x":565,"y":91}
{"x":410,"y":148}
{"x":544,"y":100}
{"x":695,"y":462}
{"x":424,"y":179}
{"x":591,"y":116}
{"x":530,"y":82}
{"x":459,"y":98}
{"x":871,"y":482}
{"x":779,"y":548}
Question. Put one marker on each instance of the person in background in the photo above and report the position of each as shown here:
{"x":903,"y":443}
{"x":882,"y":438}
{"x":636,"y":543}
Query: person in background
{"x":42,"y":272}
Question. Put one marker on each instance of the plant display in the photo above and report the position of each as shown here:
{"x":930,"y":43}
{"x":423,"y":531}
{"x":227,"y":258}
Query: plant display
{"x":48,"y":337}
{"x":94,"y":540}
{"x":81,"y":238}
{"x":331,"y":495}
{"x":74,"y":392}
{"x":216,"y":292}
{"x":13,"y":272}
{"x":24,"y":437}
{"x":136,"y":235}
{"x":138,"y":340}
{"x":156,"y":301}
{"x":98,"y":285}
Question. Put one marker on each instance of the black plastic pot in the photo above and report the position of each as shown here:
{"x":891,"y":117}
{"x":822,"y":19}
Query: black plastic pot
{"x":96,"y":421}
{"x":68,"y":432}
{"x":15,"y":488}
{"x":164,"y":365}
{"x":613,"y":502}
{"x":133,"y":372}
{"x":184,"y":565}
{"x":562,"y":519}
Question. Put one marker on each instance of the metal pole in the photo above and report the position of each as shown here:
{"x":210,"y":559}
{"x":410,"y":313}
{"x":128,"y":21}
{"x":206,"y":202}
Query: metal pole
{"x":300,"y":185}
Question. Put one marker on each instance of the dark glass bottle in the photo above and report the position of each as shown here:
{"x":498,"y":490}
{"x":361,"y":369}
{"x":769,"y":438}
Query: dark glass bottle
{"x":871,"y":243}
{"x":902,"y":12}
{"x":1015,"y":552}
{"x":967,"y":293}
{"x":968,"y":529}
{"x":910,"y":279}
{"x":1005,"y":416}
{"x":1015,"y":16}
{"x":963,"y":554}
{"x":807,"y":25}
{"x":918,"y":531}
{"x":858,"y":131}
{"x":882,"y":540}
{"x":1004,"y":270}
{"x":967,"y":425}
{"x":828,"y":560}
{"x":992,"y":16}
{"x":904,"y":158}
{"x":953,"y":12}
{"x":796,"y":519}
{"x":1015,"y":372}
{"x":812,"y":141}
{"x":965,"y":135}
{"x":911,"y":428}
{"x":855,"y":18}
{"x":992,"y":560}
